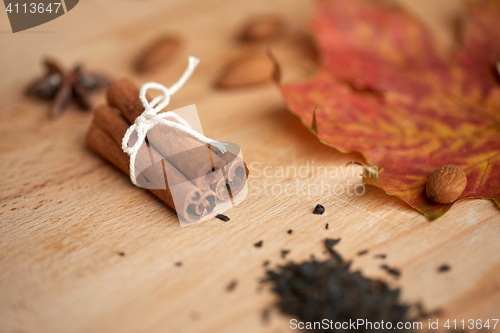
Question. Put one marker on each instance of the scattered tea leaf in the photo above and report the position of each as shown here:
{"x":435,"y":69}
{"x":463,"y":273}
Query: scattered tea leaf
{"x":380,"y":256}
{"x":284,"y":253}
{"x":444,"y":268}
{"x":312,"y":291}
{"x":319,"y":209}
{"x":232,"y":285}
{"x":362,"y":253}
{"x":222,"y":217}
{"x":330,"y":243}
{"x":394,"y":272}
{"x":290,"y":231}
{"x":259,"y":244}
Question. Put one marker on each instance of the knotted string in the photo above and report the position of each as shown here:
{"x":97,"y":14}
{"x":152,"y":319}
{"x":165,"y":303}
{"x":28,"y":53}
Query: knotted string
{"x":150,"y":117}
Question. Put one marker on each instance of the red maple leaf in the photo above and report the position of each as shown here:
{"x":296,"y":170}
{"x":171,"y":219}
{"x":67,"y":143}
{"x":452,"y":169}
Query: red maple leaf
{"x":384,"y":89}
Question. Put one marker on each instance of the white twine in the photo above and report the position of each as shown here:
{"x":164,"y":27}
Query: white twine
{"x":150,"y":117}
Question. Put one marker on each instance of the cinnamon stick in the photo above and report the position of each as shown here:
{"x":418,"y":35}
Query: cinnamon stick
{"x":192,"y":157}
{"x":104,"y":137}
{"x":234,"y":180}
{"x":124,"y":95}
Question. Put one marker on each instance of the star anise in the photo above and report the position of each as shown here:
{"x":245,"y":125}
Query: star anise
{"x":62,"y":86}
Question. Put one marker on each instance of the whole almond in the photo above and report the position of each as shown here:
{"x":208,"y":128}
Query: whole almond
{"x":247,"y":71}
{"x":446,"y":184}
{"x":262,"y":28}
{"x":159,"y":52}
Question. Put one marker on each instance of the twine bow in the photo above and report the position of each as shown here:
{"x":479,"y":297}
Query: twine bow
{"x":150,"y":117}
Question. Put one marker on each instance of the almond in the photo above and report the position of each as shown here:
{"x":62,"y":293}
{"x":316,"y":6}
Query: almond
{"x":262,"y":28}
{"x":247,"y":71}
{"x":446,"y":184}
{"x":157,"y":53}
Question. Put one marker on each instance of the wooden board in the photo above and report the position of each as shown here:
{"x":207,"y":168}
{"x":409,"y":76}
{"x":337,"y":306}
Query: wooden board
{"x":65,"y":214}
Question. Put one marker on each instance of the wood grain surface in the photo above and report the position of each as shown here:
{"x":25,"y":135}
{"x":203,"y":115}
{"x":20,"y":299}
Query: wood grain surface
{"x":66,"y":215}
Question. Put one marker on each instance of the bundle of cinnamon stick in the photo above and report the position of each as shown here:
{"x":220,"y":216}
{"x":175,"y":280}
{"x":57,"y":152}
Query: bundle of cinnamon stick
{"x":190,"y":176}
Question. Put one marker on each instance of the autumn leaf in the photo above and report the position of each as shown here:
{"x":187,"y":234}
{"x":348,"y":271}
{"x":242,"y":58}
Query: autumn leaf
{"x":384,"y":89}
